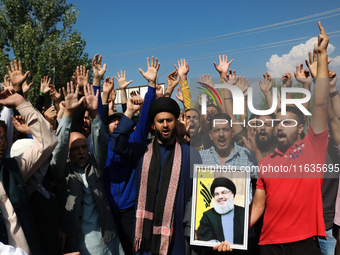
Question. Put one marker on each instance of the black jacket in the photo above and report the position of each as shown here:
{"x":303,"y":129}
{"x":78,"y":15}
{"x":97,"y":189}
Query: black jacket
{"x":210,"y":227}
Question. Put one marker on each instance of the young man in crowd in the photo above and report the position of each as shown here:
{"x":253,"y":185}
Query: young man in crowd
{"x":224,"y":150}
{"x":163,"y":177}
{"x":293,"y":222}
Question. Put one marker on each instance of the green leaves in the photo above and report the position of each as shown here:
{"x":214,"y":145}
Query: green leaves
{"x":40,"y":33}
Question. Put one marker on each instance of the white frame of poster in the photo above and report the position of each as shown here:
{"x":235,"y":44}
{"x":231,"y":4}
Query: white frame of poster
{"x":224,"y":171}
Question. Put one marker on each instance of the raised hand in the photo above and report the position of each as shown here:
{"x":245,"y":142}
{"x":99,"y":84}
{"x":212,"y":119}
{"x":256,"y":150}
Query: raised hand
{"x":107,"y":88}
{"x":312,"y":64}
{"x":332,"y":79}
{"x":172,"y":81}
{"x":45,"y":84}
{"x":179,"y":96}
{"x":223,"y":66}
{"x":250,"y":141}
{"x":268,"y":83}
{"x":25,"y":88}
{"x":206,"y":80}
{"x":151,"y":74}
{"x":323,"y":40}
{"x":182,"y":69}
{"x":74,"y":78}
{"x":82,"y":76}
{"x":159,"y":91}
{"x":231,"y":78}
{"x":302,"y":76}
{"x":7,"y":81}
{"x":16,"y":76}
{"x":243,"y":84}
{"x":98,"y":69}
{"x":61,"y":110}
{"x":51,"y":116}
{"x":122,"y":83}
{"x":91,"y":101}
{"x":112,"y":108}
{"x":20,"y":124}
{"x":113,"y":95}
{"x":200,"y":100}
{"x":287,"y":80}
{"x":71,"y":98}
{"x":133,"y":105}
{"x":55,"y":95}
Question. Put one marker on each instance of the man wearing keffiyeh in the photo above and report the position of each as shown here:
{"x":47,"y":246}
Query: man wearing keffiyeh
{"x":164,"y":183}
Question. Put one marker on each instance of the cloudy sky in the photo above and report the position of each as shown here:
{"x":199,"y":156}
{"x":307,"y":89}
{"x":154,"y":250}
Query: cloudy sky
{"x":260,"y":36}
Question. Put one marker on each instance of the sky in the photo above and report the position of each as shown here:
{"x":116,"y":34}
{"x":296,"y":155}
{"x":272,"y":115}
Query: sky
{"x":124,"y":31}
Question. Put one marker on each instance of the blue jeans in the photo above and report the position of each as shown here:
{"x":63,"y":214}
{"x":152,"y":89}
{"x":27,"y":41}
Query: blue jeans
{"x":328,"y":246}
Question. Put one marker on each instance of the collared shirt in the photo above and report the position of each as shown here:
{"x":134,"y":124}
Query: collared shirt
{"x":240,"y":156}
{"x":294,"y":205}
{"x":228,"y":226}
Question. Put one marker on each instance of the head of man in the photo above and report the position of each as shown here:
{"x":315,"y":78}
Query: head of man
{"x":112,"y":122}
{"x":223,"y":191}
{"x":212,"y":110}
{"x":164,"y":112}
{"x":3,"y":139}
{"x":192,"y":120}
{"x":78,"y":149}
{"x":221,"y":134}
{"x":265,"y":132}
{"x":87,"y":124}
{"x":289,"y":130}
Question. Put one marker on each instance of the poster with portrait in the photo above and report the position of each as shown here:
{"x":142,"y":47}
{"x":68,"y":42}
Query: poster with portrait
{"x":220,"y":206}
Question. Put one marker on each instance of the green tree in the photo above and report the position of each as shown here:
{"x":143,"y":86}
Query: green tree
{"x":40,"y":33}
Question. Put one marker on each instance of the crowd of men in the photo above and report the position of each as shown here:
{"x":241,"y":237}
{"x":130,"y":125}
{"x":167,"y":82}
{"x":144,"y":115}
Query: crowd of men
{"x":82,"y":178}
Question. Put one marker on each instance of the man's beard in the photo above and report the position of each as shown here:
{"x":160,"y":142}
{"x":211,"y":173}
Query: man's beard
{"x":266,"y":144}
{"x":165,"y":140}
{"x":224,"y":209}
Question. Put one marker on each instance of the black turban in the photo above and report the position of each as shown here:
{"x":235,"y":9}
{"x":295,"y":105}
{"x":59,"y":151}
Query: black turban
{"x":163,"y":104}
{"x":223,"y":182}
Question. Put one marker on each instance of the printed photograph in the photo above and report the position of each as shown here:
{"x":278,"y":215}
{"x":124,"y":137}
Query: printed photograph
{"x":220,"y":208}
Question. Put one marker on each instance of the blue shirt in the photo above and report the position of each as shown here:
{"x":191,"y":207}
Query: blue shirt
{"x":119,"y":173}
{"x":228,"y":226}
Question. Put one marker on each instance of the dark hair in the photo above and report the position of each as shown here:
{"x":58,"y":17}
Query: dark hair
{"x":255,"y":116}
{"x":299,"y":115}
{"x":3,"y":124}
{"x":213,"y":105}
{"x":222,"y":116}
{"x":113,"y":117}
{"x":193,"y":109}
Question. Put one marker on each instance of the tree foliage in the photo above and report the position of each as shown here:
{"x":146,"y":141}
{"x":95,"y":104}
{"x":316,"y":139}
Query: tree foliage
{"x":40,"y":33}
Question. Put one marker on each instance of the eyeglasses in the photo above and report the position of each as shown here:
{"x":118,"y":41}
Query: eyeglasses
{"x":3,"y":138}
{"x":224,"y":192}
